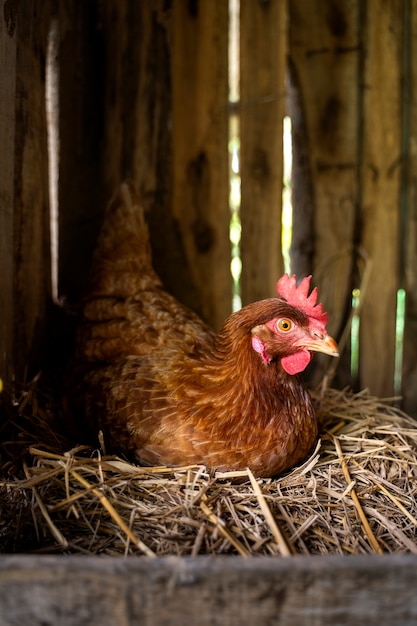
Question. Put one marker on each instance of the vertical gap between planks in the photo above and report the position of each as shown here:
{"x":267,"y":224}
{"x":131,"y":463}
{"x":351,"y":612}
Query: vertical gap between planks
{"x":407,"y":359}
{"x":52,"y":121}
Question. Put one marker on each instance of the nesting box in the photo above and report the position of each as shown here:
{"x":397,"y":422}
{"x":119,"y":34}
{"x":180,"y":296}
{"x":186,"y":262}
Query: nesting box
{"x":181,"y":97}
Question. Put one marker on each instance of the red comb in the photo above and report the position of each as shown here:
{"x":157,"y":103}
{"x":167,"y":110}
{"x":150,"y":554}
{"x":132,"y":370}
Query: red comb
{"x":298,"y":296}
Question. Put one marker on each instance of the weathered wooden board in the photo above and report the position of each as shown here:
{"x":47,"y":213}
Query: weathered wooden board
{"x":380,"y":179}
{"x":137,"y":98}
{"x":346,"y":62}
{"x":263,"y":49}
{"x":137,"y":141}
{"x":32,"y":266}
{"x":301,"y":591}
{"x":200,"y":163}
{"x":324,"y":53}
{"x":7,"y":134}
{"x":24,"y":186}
{"x":409,"y":212}
{"x":116,"y":123}
{"x":81,"y":191}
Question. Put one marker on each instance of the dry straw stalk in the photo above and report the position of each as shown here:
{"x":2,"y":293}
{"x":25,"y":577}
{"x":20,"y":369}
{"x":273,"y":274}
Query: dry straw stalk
{"x":355,"y":494}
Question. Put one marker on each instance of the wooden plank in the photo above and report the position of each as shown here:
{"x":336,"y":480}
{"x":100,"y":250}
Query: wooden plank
{"x":115,"y":102}
{"x":200,"y":156}
{"x":323,"y":104}
{"x":128,"y":113}
{"x":81,"y":192}
{"x":409,"y":233}
{"x":319,"y":591}
{"x":380,"y":176}
{"x":137,"y":140}
{"x":7,"y":133}
{"x":32,"y":280}
{"x":263,"y":28}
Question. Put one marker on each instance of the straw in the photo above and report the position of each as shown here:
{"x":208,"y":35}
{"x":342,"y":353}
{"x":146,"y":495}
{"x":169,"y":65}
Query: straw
{"x":356,"y":493}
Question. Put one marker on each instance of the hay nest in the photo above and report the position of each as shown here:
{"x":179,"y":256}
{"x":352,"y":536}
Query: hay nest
{"x":355,"y":494}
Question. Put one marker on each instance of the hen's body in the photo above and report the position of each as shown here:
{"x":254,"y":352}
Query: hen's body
{"x":165,"y":388}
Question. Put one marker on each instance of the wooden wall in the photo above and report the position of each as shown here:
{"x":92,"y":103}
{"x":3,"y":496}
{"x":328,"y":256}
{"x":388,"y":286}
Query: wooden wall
{"x":143,"y":93}
{"x":353,"y":85}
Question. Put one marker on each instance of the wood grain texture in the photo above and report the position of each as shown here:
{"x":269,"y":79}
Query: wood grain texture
{"x":324,"y":104}
{"x":115,"y":124}
{"x":138,"y":128}
{"x":25,"y":282}
{"x":318,"y":591}
{"x":263,"y":51}
{"x":32,"y":269}
{"x":7,"y":134}
{"x":137,"y":98}
{"x":346,"y":61}
{"x":200,"y":189}
{"x":380,"y":179}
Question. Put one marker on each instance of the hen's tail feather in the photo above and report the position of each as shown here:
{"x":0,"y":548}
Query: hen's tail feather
{"x":122,"y":262}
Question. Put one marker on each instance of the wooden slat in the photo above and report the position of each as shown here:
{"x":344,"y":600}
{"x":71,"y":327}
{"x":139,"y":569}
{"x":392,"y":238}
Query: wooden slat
{"x":137,"y":99}
{"x":409,"y":241}
{"x":82,"y":195}
{"x":380,"y":176}
{"x":138,"y":129}
{"x":115,"y":105}
{"x":7,"y":133}
{"x":200,"y":157}
{"x":32,"y":286}
{"x":319,"y":591}
{"x":324,"y":53}
{"x":31,"y":243}
{"x":263,"y":48}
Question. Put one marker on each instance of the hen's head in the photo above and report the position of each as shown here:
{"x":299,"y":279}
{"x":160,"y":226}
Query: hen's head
{"x":297,"y":329}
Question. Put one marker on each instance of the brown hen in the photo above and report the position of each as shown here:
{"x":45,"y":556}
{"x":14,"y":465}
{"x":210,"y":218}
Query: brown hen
{"x":166,"y":390}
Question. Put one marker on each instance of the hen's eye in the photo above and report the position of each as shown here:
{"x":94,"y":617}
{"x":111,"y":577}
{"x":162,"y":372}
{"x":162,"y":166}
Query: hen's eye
{"x":284,"y":325}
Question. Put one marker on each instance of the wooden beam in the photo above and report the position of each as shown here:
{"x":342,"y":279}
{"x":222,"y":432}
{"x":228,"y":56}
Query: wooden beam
{"x":372,"y":590}
{"x":263,"y":49}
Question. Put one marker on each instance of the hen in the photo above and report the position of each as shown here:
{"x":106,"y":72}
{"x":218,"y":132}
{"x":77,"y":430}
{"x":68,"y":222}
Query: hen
{"x":166,"y":390}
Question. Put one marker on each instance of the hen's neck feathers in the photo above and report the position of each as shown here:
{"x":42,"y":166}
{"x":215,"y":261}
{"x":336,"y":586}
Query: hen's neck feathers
{"x":242,"y":403}
{"x":233,"y":374}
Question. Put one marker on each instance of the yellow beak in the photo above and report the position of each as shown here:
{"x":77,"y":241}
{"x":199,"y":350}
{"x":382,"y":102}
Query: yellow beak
{"x":326,"y":345}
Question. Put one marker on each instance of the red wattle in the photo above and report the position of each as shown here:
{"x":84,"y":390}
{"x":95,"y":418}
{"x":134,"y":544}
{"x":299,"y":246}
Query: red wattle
{"x":295,"y":363}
